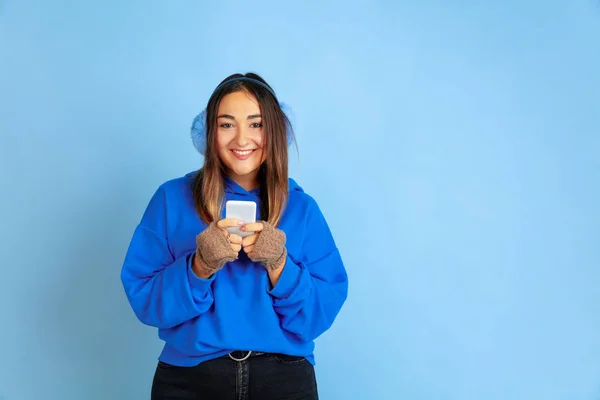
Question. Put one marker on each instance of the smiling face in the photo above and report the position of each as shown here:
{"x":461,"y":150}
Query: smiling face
{"x":239,"y":137}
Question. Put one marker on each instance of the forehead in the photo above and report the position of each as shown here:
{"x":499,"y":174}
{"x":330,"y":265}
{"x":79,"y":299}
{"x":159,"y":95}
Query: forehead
{"x":239,"y":103}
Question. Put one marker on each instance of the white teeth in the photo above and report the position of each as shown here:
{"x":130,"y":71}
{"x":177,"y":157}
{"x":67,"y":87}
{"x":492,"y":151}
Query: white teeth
{"x":242,"y":153}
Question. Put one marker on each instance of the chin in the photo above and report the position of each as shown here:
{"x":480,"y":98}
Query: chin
{"x":245,"y":170}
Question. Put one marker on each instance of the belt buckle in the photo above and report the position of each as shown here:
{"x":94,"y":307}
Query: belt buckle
{"x":247,"y":356}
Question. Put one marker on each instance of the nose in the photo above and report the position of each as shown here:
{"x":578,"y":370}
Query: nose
{"x":242,"y":136}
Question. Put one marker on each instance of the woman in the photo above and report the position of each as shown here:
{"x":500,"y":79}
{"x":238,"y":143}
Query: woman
{"x":238,"y":315}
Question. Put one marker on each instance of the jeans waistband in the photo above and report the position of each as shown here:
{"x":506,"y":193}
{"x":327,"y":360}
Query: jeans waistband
{"x":239,"y":355}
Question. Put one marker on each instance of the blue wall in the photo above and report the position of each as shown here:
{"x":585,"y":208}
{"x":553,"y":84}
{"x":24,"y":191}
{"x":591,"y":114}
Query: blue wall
{"x":453,"y":146}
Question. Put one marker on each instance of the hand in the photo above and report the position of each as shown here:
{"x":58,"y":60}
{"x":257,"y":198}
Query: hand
{"x":234,"y":240}
{"x":249,"y":242}
{"x":215,"y":247}
{"x":266,"y":245}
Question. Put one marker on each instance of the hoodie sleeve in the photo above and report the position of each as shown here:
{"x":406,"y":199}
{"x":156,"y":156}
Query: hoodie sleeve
{"x":162,"y":290}
{"x":313,"y":286}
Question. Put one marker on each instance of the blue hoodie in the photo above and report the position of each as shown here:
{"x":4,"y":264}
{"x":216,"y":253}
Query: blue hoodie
{"x":236,"y":309}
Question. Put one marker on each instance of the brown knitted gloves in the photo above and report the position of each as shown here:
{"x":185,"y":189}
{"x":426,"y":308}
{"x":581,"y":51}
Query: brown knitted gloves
{"x":269,"y":249}
{"x":214,"y":249}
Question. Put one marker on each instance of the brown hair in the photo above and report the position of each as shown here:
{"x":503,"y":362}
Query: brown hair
{"x":208,"y":186}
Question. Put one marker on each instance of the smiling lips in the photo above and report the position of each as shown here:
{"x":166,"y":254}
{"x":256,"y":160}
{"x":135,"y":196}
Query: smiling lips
{"x":242,"y":154}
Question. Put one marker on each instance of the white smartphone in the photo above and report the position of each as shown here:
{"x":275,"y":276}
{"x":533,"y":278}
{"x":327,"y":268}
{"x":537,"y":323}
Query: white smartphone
{"x":243,"y":211}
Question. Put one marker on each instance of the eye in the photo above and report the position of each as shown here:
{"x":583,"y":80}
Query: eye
{"x":226,"y":125}
{"x":256,"y":125}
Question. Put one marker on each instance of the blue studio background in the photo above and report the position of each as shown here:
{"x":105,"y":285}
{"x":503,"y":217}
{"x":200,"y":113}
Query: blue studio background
{"x":454,"y":147}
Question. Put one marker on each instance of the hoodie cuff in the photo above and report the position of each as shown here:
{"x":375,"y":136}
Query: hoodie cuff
{"x":199,"y":285}
{"x":288,"y":280}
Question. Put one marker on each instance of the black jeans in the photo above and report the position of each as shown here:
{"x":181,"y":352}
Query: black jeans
{"x":262,"y":377}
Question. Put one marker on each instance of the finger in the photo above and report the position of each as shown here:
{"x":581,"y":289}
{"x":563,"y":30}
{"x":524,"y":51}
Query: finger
{"x":235,"y":239}
{"x":236,"y":247}
{"x":249,"y":249}
{"x":248,"y":240}
{"x":229,"y":223}
{"x":253,"y":227}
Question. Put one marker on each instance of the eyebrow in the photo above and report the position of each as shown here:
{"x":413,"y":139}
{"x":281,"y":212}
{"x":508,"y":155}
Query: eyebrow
{"x":232,"y":117}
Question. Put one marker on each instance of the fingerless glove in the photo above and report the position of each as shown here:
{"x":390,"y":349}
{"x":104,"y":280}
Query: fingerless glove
{"x":213,"y":249}
{"x":269,"y":249}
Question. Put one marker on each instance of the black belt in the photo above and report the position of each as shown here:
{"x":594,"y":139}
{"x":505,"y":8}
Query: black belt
{"x":240,"y":356}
